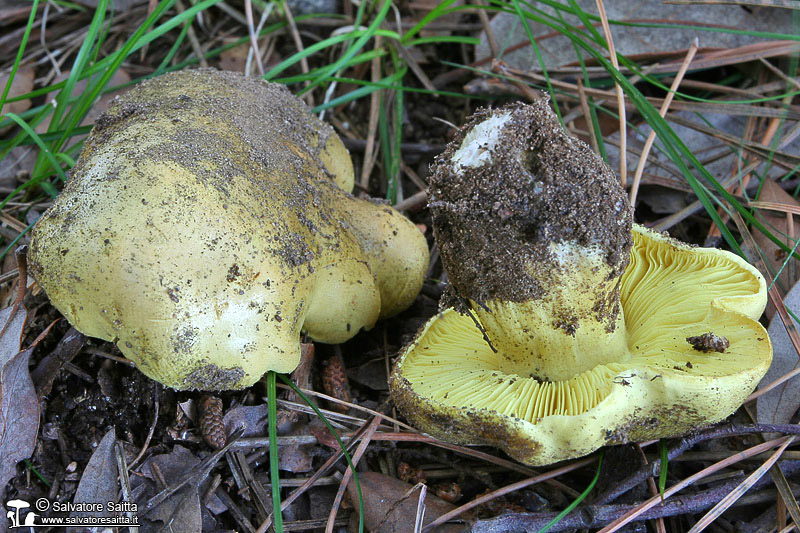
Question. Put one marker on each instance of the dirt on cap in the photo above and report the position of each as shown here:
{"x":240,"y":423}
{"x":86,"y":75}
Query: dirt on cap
{"x":494,"y":223}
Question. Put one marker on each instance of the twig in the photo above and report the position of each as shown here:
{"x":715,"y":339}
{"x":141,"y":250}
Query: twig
{"x":413,"y":202}
{"x":124,"y":480}
{"x":587,"y":116}
{"x":653,"y":469}
{"x":251,"y":30}
{"x":488,"y":30}
{"x":415,"y":436}
{"x":370,"y":156}
{"x":528,"y":92}
{"x":196,"y":48}
{"x":65,"y":351}
{"x":740,"y":489}
{"x":287,"y":12}
{"x":509,"y":489}
{"x":21,"y":254}
{"x":652,"y":502}
{"x":238,"y":515}
{"x":596,"y":516}
{"x":651,"y":485}
{"x":310,"y":482}
{"x":254,"y":51}
{"x":423,"y":491}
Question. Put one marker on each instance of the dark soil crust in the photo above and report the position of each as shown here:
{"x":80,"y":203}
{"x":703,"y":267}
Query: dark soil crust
{"x":494,"y":225}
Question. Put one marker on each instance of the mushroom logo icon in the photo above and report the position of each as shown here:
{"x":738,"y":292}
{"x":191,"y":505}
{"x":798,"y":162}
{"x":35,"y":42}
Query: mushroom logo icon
{"x":13,"y":516}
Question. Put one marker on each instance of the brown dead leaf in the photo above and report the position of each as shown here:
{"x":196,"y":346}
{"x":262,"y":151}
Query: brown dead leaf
{"x":11,"y":338}
{"x":772,"y":192}
{"x":779,"y":405}
{"x":99,"y":479}
{"x":181,"y":511}
{"x":253,"y":418}
{"x":23,"y":83}
{"x":19,"y":416}
{"x":16,"y":167}
{"x":234,"y":59}
{"x":391,"y":507}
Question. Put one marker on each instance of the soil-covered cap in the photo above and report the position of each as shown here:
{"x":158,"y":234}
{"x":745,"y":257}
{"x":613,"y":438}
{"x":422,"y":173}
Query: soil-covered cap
{"x":510,"y":186}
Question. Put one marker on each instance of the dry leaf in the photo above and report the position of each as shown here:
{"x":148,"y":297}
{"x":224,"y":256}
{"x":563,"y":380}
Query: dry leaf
{"x":19,"y":410}
{"x":779,"y":405}
{"x":235,"y":59}
{"x":23,"y":83}
{"x":771,"y":192}
{"x":18,"y":162}
{"x":99,"y":480}
{"x":383,"y":494}
{"x":180,"y":512}
{"x":19,"y":416}
{"x":11,"y":339}
{"x":292,"y":458}
{"x":253,"y":418}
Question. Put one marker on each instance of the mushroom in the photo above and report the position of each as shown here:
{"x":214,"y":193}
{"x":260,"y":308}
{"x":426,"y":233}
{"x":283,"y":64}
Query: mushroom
{"x":207,"y":223}
{"x":578,"y":328}
{"x":16,"y":505}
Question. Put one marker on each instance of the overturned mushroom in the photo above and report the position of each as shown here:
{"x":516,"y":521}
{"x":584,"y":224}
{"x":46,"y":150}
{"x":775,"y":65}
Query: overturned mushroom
{"x":207,"y":223}
{"x":576,"y":321}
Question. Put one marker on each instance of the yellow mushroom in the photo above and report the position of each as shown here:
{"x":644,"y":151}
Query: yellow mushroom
{"x":207,"y":223}
{"x":581,"y":329}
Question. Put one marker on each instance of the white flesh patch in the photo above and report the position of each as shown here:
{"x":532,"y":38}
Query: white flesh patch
{"x":570,"y":252}
{"x":479,"y":143}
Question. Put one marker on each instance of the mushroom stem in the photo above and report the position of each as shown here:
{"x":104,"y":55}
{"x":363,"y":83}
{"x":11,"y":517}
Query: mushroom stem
{"x":559,"y":336}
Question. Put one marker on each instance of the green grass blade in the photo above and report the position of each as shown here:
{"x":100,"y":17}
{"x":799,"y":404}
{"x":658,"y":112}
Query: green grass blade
{"x":20,"y":52}
{"x":539,"y":58}
{"x":325,"y":421}
{"x":78,"y":67}
{"x":274,"y":462}
{"x":45,"y":151}
{"x":119,"y":57}
{"x":579,"y":499}
{"x":16,"y":240}
{"x":322,"y":45}
{"x":372,"y":30}
{"x":443,"y":8}
{"x":368,"y":88}
{"x":174,"y":50}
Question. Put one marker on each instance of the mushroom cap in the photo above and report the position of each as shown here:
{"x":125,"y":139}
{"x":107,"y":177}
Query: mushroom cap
{"x":207,"y":223}
{"x":448,"y":382}
{"x":22,"y":504}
